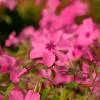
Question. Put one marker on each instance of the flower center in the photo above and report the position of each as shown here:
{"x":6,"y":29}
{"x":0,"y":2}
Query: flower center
{"x":87,"y":34}
{"x":9,"y":68}
{"x":50,"y":46}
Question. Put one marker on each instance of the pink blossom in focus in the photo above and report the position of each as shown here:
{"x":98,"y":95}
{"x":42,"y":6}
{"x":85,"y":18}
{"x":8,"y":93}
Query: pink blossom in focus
{"x":48,"y":48}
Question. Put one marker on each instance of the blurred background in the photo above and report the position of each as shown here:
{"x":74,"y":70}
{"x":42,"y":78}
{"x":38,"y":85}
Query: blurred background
{"x":28,"y":12}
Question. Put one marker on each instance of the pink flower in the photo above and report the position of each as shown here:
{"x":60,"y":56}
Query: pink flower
{"x":14,"y":74}
{"x":27,"y":33}
{"x":45,"y":73}
{"x":52,"y":5}
{"x":84,"y":76}
{"x":1,"y":97}
{"x":62,"y":75}
{"x":7,"y":63}
{"x":32,"y":95}
{"x":10,"y":4}
{"x":87,"y":33}
{"x":85,"y":68}
{"x":17,"y":94}
{"x":12,"y":40}
{"x":74,"y":53}
{"x":59,"y":79}
{"x":49,"y":20}
{"x":48,"y":48}
{"x":69,"y":13}
{"x":96,"y":86}
{"x":67,"y":16}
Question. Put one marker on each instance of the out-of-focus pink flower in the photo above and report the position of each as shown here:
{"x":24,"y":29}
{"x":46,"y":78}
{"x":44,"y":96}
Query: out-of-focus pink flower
{"x":17,"y":94}
{"x":13,"y":75}
{"x":7,"y":63}
{"x":49,"y":20}
{"x":45,"y":73}
{"x":96,"y":86}
{"x":1,"y":97}
{"x":85,"y":68}
{"x":61,"y":75}
{"x":38,"y":2}
{"x":83,"y":78}
{"x":74,"y":54}
{"x":69,"y":14}
{"x":87,"y":33}
{"x":59,"y":79}
{"x":32,"y":95}
{"x":12,"y":40}
{"x":10,"y":4}
{"x":27,"y":33}
{"x":52,"y":5}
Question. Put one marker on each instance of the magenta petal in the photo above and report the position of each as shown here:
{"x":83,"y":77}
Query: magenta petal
{"x":63,"y":44}
{"x":36,"y":96}
{"x":16,"y":95}
{"x":48,"y":58}
{"x":59,"y":63}
{"x":13,"y":77}
{"x":62,"y":57}
{"x":1,"y":97}
{"x":52,"y":4}
{"x":85,"y":68}
{"x":32,"y":95}
{"x":55,"y":37}
{"x":29,"y":95}
{"x":36,"y":53}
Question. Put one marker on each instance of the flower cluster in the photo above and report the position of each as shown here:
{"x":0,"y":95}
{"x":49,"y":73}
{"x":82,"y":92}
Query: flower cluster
{"x":10,"y":4}
{"x":59,"y":52}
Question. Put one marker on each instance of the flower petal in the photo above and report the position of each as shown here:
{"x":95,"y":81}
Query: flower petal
{"x":16,"y":95}
{"x":32,"y":95}
{"x":29,"y":95}
{"x":36,"y":53}
{"x":35,"y":96}
{"x":48,"y":58}
{"x":61,"y":56}
{"x":55,"y":37}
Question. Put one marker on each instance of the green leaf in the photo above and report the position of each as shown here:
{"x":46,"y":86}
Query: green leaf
{"x":22,"y":85}
{"x":45,"y":93}
{"x":72,"y":85}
